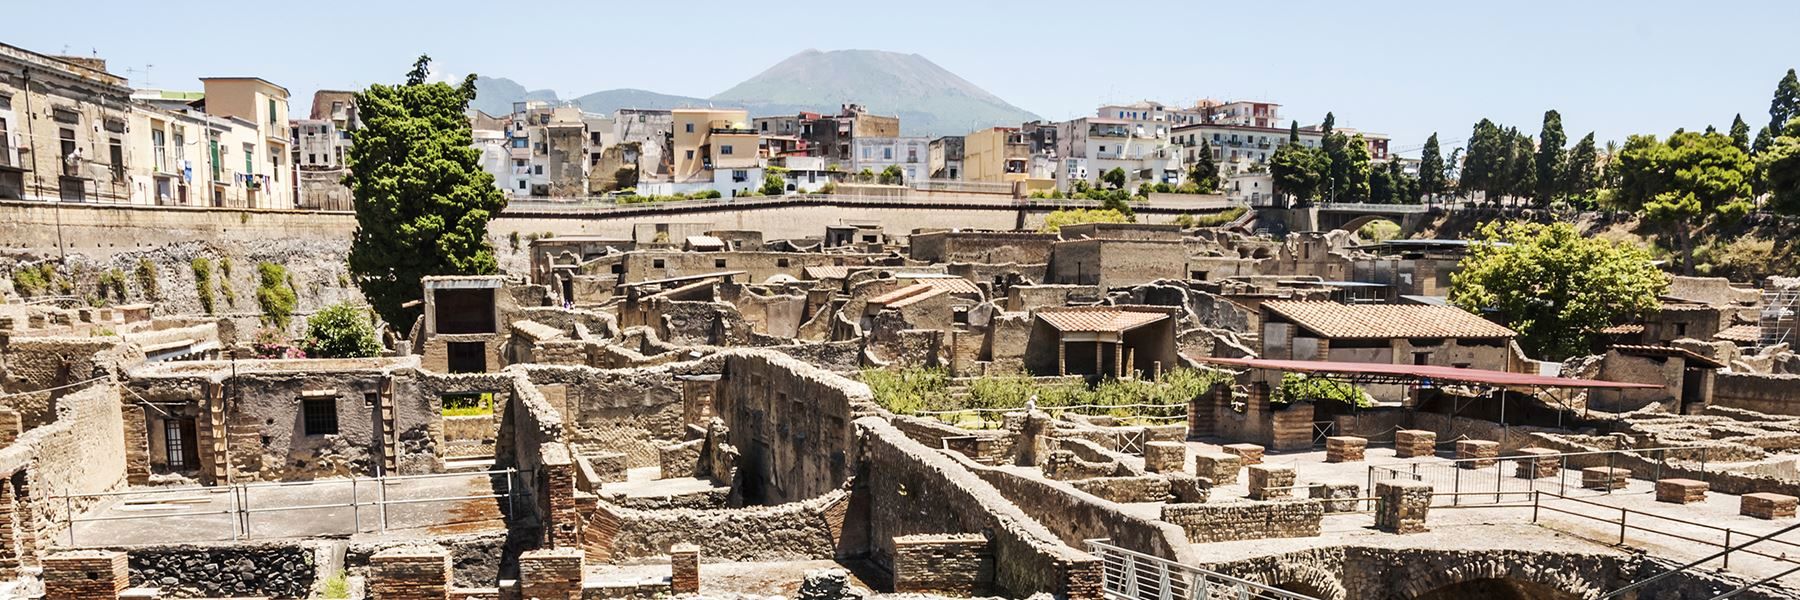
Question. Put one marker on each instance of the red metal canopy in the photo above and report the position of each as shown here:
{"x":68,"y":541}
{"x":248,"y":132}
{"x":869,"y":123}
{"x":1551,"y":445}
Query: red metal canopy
{"x":1421,"y":373}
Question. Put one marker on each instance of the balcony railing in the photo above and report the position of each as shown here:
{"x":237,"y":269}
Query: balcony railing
{"x":734,"y":130}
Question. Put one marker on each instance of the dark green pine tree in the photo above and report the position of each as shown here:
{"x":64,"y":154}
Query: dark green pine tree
{"x":1786,"y":103}
{"x":1431,"y":168}
{"x":422,"y":201}
{"x":1550,"y":158}
{"x":1204,"y":173}
{"x":1740,"y":133}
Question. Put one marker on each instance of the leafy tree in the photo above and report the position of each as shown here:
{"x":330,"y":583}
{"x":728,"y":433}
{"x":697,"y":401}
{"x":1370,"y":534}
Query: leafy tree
{"x":1581,"y":175}
{"x":1348,"y":160}
{"x":340,"y":331}
{"x":892,"y":175}
{"x":1301,"y":388}
{"x":1554,"y":286}
{"x":1114,"y":179}
{"x":1381,"y":187}
{"x":1693,"y":177}
{"x":1431,"y":168}
{"x":1484,"y":154}
{"x":1204,"y":173}
{"x":1741,"y":134}
{"x":275,"y":294}
{"x":1406,"y":187}
{"x":1786,"y":103}
{"x":1550,"y":159}
{"x":625,"y":177}
{"x":1521,"y":179}
{"x":1298,"y":171}
{"x":1765,"y":137}
{"x":865,"y":176}
{"x":422,"y":201}
{"x":773,"y":185}
{"x":1778,"y":166}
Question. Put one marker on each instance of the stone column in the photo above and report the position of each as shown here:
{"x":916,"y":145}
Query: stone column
{"x":137,"y":445}
{"x":85,"y":575}
{"x":1401,"y":506}
{"x":562,"y":527}
{"x":1414,"y":443}
{"x":551,"y":574}
{"x":410,"y":573}
{"x":684,"y":569}
{"x":11,"y":425}
{"x":1268,"y":482}
{"x":1165,"y":457}
{"x":1062,"y":357}
{"x":1118,"y":360}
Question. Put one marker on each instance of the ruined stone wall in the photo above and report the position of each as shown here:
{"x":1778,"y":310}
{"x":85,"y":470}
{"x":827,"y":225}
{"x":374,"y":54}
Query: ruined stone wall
{"x":791,"y":422}
{"x":41,"y":363}
{"x":629,"y":411}
{"x":912,"y":490}
{"x":806,"y":530}
{"x":1246,"y":520}
{"x":1076,"y":516}
{"x":274,"y":569}
{"x":81,"y":452}
{"x":985,"y":247}
{"x":1772,"y":394}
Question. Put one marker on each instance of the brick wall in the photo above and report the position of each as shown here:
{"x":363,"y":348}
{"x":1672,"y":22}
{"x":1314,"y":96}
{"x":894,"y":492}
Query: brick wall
{"x":84,"y":575}
{"x":794,"y":531}
{"x":1229,"y":521}
{"x":951,"y":564}
{"x":551,"y":574}
{"x":83,"y":451}
{"x":415,"y":573}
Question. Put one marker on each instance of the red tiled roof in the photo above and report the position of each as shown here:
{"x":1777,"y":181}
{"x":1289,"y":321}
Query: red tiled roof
{"x":1740,"y":333}
{"x":954,"y":285}
{"x":827,"y":272}
{"x":1378,"y":321}
{"x":1625,"y":329}
{"x":916,"y":298}
{"x":1098,"y":319}
{"x":903,"y":293}
{"x":1422,"y":373}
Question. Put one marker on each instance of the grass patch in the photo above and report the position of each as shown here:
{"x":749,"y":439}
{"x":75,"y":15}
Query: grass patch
{"x":468,"y":405}
{"x":914,"y":391}
{"x":335,"y":586}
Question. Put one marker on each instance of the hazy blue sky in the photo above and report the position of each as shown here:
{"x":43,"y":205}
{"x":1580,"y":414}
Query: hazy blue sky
{"x":1400,"y":67}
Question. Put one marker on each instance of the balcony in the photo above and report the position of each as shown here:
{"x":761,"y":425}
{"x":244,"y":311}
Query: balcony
{"x":733,"y":131}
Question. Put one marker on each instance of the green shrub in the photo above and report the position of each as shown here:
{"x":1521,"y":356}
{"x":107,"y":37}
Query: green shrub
{"x":907,"y":391}
{"x":1055,"y":221}
{"x":34,"y":280}
{"x":1300,"y":388}
{"x":335,"y":587}
{"x":275,"y":294}
{"x":773,"y":185}
{"x":340,"y":331}
{"x":146,"y":276}
{"x":112,"y":283}
{"x":513,"y":239}
{"x":1211,"y":220}
{"x":830,"y":187}
{"x":468,"y":405}
{"x":203,"y":271}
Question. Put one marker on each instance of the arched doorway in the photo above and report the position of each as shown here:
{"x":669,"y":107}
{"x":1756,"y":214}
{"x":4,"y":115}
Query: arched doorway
{"x":1496,"y":588}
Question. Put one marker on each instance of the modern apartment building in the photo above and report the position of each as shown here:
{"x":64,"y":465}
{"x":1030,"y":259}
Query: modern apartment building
{"x":62,"y":128}
{"x":875,"y":154}
{"x":1090,"y":146}
{"x":945,"y":160}
{"x":830,"y":137}
{"x":266,"y":175}
{"x":715,"y":149}
{"x":996,"y":155}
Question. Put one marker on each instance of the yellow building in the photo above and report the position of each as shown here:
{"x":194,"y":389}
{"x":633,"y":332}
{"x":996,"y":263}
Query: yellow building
{"x":996,"y":155}
{"x":715,"y":146}
{"x":183,"y":157}
{"x":266,"y":175}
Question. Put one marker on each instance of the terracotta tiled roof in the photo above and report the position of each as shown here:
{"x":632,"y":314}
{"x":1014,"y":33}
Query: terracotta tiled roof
{"x":1378,"y":321}
{"x":1625,"y":329}
{"x":1666,"y":352}
{"x":902,"y":293}
{"x":954,"y":285}
{"x":827,"y":272}
{"x":1740,"y":333}
{"x":1098,"y":319}
{"x":915,"y":298}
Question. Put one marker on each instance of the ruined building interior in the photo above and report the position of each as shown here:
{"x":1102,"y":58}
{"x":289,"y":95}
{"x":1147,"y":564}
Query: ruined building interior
{"x":1101,"y":412}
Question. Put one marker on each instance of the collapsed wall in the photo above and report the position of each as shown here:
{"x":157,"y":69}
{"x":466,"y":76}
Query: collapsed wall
{"x":81,"y":452}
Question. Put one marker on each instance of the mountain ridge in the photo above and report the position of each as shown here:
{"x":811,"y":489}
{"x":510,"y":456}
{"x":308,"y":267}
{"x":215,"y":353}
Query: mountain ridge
{"x":929,"y":99}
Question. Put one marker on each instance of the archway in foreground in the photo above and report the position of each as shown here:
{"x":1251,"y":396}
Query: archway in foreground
{"x":1497,"y":589}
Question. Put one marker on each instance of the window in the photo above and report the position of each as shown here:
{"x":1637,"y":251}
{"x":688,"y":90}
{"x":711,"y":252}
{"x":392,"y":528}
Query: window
{"x":521,"y":184}
{"x":68,"y":141}
{"x":520,"y":143}
{"x":465,"y":357}
{"x":64,"y":115}
{"x":887,"y":154}
{"x":690,"y":155}
{"x":690,"y":127}
{"x":725,"y":149}
{"x":464,"y":310}
{"x":319,"y":415}
{"x":249,"y":158}
{"x":271,"y":111}
{"x":657,"y":263}
{"x":537,"y":169}
{"x":718,"y":263}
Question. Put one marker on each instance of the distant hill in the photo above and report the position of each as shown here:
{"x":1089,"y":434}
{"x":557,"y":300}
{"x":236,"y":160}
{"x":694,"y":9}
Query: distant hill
{"x":928,"y":99}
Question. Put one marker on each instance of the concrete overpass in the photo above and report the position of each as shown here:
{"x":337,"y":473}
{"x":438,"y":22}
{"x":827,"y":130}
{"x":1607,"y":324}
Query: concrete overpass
{"x":1346,"y":216}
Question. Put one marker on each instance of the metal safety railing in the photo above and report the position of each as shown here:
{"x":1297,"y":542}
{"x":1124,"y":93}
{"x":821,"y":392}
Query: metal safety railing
{"x":1130,"y":575}
{"x":240,"y":511}
{"x":1494,"y":478}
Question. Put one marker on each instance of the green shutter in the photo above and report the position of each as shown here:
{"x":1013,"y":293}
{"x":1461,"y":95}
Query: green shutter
{"x":213,"y":148}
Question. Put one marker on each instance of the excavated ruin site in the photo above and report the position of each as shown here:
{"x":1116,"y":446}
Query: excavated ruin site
{"x":1102,"y":412}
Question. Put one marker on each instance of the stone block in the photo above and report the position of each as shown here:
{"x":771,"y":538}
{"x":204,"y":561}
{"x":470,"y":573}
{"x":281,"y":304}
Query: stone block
{"x":410,"y":573}
{"x":551,"y":574}
{"x":1681,"y":491}
{"x":1604,"y":478}
{"x":1249,"y":454}
{"x":1402,"y":506}
{"x":1336,"y":497}
{"x":1245,"y":520}
{"x":684,"y":569}
{"x":1165,"y":457}
{"x":1219,"y":467}
{"x":1268,"y":482}
{"x":1477,"y":454}
{"x":1537,"y":463}
{"x":1188,"y":489}
{"x":85,"y":575}
{"x":957,"y":565}
{"x":1766,"y":505}
{"x":1414,"y":443}
{"x":1345,"y":448}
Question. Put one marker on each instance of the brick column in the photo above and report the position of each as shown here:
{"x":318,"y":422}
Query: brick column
{"x":1534,"y":463}
{"x":410,"y":573}
{"x":1268,"y":482}
{"x":1414,"y":443}
{"x":9,"y":545}
{"x":1401,"y":506}
{"x":10,"y":426}
{"x":1203,"y":410}
{"x":1165,"y":457}
{"x":562,"y":527}
{"x":1345,"y":448}
{"x":684,"y":569}
{"x":551,"y":574}
{"x":85,"y":575}
{"x":1476,"y":454}
{"x":137,"y":445}
{"x":1218,"y":467}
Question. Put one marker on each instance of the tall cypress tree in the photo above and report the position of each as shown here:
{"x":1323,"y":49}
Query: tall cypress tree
{"x":1740,"y":133}
{"x":1550,"y":158}
{"x":422,"y":201}
{"x":1204,"y":173}
{"x":1786,"y":103}
{"x":1293,"y":132}
{"x":1431,"y":168}
{"x":1581,"y":175}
